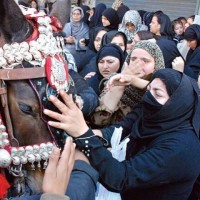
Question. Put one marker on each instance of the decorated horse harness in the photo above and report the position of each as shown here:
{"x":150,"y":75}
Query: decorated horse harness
{"x":45,"y":53}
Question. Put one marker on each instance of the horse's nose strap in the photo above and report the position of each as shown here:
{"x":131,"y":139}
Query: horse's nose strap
{"x":22,"y":73}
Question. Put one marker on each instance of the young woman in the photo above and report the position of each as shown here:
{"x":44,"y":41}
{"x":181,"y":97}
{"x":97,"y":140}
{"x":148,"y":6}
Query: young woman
{"x":109,"y":59}
{"x":178,"y":28}
{"x":161,"y":26}
{"x":162,"y":157}
{"x":115,"y":37}
{"x":82,"y":62}
{"x":34,"y":4}
{"x":95,"y":20}
{"x":110,"y":19}
{"x":89,"y":63}
{"x":131,"y":24}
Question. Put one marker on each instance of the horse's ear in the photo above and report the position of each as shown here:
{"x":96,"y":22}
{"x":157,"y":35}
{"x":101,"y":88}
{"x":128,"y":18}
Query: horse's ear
{"x":13,"y":23}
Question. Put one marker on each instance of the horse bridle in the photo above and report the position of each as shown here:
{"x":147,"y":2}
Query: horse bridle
{"x":15,"y":74}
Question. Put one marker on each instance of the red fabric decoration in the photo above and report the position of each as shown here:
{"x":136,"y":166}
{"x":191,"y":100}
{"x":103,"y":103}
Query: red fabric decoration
{"x":4,"y":185}
{"x":49,"y":66}
{"x":56,"y":24}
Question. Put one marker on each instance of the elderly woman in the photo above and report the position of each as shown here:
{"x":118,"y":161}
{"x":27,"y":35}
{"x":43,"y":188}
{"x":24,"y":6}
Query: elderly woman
{"x":75,"y":30}
{"x":162,"y":157}
{"x":145,"y":58}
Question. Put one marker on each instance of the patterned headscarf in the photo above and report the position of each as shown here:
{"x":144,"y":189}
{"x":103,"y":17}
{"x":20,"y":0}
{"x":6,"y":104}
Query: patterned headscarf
{"x":133,"y":95}
{"x":116,"y":4}
{"x":133,"y":17}
{"x":154,"y":50}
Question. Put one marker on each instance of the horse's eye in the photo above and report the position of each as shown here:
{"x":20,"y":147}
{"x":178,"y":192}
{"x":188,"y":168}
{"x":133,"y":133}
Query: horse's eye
{"x":26,"y":109}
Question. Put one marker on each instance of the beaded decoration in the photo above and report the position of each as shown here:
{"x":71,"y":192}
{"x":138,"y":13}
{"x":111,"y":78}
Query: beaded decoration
{"x":22,"y":155}
{"x":43,"y":51}
{"x":35,"y":51}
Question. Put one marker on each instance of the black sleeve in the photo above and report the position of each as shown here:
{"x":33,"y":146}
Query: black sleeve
{"x":192,"y":66}
{"x":88,"y":95}
{"x":159,"y":163}
{"x":126,"y":123}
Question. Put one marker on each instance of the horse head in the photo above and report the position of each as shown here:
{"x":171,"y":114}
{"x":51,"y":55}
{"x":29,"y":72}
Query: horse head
{"x":32,"y":66}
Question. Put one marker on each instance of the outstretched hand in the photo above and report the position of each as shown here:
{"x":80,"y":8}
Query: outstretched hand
{"x":59,"y":169}
{"x":71,"y":117}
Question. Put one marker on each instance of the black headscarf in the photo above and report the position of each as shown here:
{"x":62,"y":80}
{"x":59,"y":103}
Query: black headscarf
{"x":86,"y":14}
{"x":147,"y":17}
{"x":169,"y":50}
{"x":107,"y":38}
{"x":121,"y":11}
{"x":180,"y":112}
{"x":96,"y":18}
{"x":193,"y":33}
{"x":112,"y":17}
{"x":93,"y":33}
{"x":111,"y":50}
{"x":165,"y":25}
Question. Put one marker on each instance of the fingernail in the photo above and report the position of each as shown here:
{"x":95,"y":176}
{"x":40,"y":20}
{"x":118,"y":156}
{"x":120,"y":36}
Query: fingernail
{"x":51,"y":97}
{"x":70,"y":138}
{"x":56,"y":150}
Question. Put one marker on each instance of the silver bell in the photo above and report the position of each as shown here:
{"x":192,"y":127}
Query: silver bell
{"x":5,"y":159}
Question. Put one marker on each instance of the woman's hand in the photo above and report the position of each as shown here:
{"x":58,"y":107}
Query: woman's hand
{"x":178,"y":64}
{"x":70,"y":40}
{"x":82,"y":42}
{"x":59,"y":169}
{"x":127,"y":79}
{"x":119,"y":80}
{"x":71,"y":118}
{"x":134,"y":68}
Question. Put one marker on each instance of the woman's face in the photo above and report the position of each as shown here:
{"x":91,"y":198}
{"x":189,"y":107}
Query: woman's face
{"x":178,"y":29}
{"x":155,"y":26}
{"x":76,"y":16}
{"x":97,"y":41}
{"x":105,"y":21}
{"x":192,"y":44}
{"x":158,"y":90}
{"x":108,"y":65}
{"x":118,"y":40}
{"x":33,"y":4}
{"x":142,"y":63}
{"x":130,"y":26}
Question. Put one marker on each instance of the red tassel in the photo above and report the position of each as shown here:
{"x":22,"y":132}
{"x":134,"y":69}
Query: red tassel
{"x":4,"y":185}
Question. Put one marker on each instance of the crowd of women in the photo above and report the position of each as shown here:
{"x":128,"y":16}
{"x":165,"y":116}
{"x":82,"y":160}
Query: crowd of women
{"x":145,"y":70}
